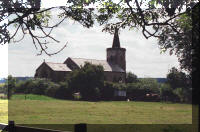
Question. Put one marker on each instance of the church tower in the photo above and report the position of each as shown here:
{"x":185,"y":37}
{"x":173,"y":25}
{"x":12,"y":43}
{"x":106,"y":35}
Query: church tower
{"x":116,"y":54}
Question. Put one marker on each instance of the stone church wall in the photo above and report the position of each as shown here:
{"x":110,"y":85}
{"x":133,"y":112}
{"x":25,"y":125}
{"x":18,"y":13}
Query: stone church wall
{"x":59,"y":76}
{"x":117,"y":56}
{"x":114,"y":76}
{"x":45,"y":72}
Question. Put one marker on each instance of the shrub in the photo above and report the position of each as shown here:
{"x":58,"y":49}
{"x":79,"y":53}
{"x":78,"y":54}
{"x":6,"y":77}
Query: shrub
{"x":150,"y":85}
{"x":183,"y":94}
{"x":63,"y":91}
{"x":87,"y":80}
{"x":107,"y":91}
{"x":2,"y":88}
{"x":167,"y":93}
{"x":139,"y":89}
{"x":52,"y":89}
{"x":10,"y":86}
{"x":33,"y":86}
{"x":178,"y":79}
{"x":135,"y":91}
{"x":40,"y":86}
{"x":131,"y":77}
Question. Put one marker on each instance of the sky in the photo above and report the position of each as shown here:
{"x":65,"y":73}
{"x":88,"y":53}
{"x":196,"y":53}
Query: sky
{"x":143,"y":56}
{"x":4,"y":60}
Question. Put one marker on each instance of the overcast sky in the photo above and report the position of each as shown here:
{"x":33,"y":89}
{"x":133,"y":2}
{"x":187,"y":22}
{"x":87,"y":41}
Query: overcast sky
{"x":142,"y":56}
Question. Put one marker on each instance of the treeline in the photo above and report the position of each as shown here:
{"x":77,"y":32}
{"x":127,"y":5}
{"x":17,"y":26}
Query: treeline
{"x":2,"y":88}
{"x":88,"y":83}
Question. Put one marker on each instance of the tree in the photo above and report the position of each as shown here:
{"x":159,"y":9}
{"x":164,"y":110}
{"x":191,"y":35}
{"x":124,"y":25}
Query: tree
{"x":156,"y":18}
{"x":87,"y":80}
{"x":131,"y":77}
{"x":179,"y":43}
{"x":178,"y":79}
{"x":63,"y":91}
{"x":183,"y":94}
{"x":149,"y":85}
{"x":171,"y":24}
{"x":167,"y":93}
{"x":27,"y":16}
{"x":10,"y":86}
{"x":107,"y":91}
{"x":181,"y":84}
{"x":131,"y":13}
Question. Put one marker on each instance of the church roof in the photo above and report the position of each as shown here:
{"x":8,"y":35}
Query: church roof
{"x":107,"y":66}
{"x":58,"y":66}
{"x":116,"y":42}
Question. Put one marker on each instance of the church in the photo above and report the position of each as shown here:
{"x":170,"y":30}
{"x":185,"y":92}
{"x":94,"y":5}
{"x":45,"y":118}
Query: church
{"x":114,"y":65}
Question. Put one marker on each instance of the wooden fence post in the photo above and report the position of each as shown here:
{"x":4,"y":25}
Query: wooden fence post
{"x":11,"y":126}
{"x":80,"y":127}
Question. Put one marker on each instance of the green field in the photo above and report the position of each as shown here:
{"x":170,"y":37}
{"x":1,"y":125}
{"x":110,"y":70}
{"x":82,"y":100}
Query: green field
{"x":3,"y":111}
{"x":45,"y":110}
{"x":31,"y":97}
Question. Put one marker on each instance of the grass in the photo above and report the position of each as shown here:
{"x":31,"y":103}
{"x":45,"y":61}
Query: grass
{"x":3,"y":111}
{"x":2,"y":95}
{"x":31,"y":97}
{"x":38,"y":110}
{"x":44,"y":110}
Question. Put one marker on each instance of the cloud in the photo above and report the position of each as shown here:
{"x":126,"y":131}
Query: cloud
{"x":52,"y":3}
{"x":142,"y":56}
{"x":4,"y":61}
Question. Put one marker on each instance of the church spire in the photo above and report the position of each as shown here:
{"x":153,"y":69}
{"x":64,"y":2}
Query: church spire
{"x":116,"y":42}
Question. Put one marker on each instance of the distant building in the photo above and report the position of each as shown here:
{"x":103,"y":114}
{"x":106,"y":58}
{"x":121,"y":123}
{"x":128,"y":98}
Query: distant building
{"x":114,"y":66}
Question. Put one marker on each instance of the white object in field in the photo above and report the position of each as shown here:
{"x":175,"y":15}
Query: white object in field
{"x":120,"y":93}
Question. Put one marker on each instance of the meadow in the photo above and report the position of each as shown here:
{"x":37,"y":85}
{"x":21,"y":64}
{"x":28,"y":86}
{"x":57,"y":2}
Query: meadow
{"x":35,"y":110}
{"x":2,"y":96}
{"x":45,"y":110}
{"x":3,"y":111}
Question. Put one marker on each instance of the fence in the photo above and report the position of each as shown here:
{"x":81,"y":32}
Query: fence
{"x":11,"y":127}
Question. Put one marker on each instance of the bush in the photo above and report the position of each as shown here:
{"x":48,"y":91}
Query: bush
{"x":52,"y":89}
{"x":178,"y":79}
{"x":107,"y":91}
{"x":64,"y":91}
{"x":2,"y":88}
{"x":135,"y":91}
{"x":40,"y":86}
{"x":10,"y":86}
{"x":87,"y":80}
{"x":183,"y":94}
{"x":150,"y":85}
{"x":139,"y":89}
{"x":131,"y":77}
{"x":167,"y":93}
{"x":32,"y":86}
{"x":44,"y":87}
